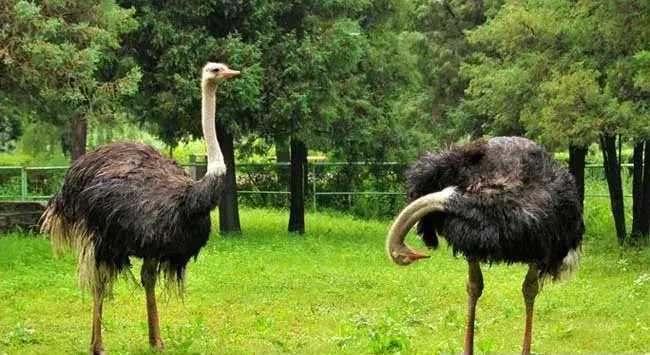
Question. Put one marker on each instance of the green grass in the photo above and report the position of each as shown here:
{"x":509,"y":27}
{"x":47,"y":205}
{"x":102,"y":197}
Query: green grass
{"x":331,"y":291}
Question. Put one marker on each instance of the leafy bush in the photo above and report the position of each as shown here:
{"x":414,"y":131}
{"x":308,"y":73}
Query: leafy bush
{"x":40,"y":183}
{"x":9,"y":184}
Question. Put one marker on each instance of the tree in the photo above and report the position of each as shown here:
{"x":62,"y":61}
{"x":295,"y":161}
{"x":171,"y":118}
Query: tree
{"x":63,"y":57}
{"x":335,"y":78}
{"x":623,"y":27}
{"x":301,"y":84}
{"x":10,"y":128}
{"x":641,"y":179}
{"x":526,"y":80}
{"x":443,"y":50}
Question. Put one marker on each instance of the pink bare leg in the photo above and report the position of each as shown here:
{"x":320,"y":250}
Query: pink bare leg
{"x":96,"y":346}
{"x":530,"y":288}
{"x":149,"y":273}
{"x":474,"y":291}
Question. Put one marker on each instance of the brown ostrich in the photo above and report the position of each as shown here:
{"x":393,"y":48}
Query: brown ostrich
{"x":126,"y":199}
{"x":504,"y":200}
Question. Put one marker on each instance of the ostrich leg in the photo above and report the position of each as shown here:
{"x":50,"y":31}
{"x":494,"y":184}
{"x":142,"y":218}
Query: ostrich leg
{"x":474,"y":291}
{"x":96,"y":347}
{"x":530,"y":288}
{"x":148,"y":274}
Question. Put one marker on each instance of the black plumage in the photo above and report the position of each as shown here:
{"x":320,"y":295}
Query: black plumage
{"x":501,"y":200}
{"x":515,"y":203}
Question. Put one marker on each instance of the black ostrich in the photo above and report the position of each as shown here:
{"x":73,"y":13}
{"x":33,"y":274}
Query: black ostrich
{"x":126,"y":199}
{"x":504,"y":200}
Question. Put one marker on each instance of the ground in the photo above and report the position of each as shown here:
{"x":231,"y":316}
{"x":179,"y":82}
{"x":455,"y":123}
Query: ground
{"x":331,"y":291}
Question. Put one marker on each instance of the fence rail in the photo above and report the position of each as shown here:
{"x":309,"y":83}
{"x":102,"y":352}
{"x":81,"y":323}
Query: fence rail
{"x":41,"y":182}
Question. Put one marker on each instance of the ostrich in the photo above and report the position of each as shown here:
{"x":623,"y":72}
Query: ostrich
{"x":504,"y":200}
{"x":126,"y":199}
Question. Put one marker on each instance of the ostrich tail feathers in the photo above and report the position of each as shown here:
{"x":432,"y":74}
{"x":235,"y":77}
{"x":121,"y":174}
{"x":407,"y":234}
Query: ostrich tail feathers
{"x":563,"y":271}
{"x":75,"y":237}
{"x":569,"y":264}
{"x":64,"y":236}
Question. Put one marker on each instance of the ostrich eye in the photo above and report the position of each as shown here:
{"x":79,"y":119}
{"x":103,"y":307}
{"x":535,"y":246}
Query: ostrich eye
{"x":216,"y":70}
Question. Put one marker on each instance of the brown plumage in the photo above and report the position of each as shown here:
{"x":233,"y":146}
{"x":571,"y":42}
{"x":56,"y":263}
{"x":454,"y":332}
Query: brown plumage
{"x":128,"y":200}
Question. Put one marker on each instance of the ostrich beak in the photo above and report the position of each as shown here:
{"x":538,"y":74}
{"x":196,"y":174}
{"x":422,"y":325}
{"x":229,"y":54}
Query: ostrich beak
{"x":229,"y":73}
{"x":415,"y":255}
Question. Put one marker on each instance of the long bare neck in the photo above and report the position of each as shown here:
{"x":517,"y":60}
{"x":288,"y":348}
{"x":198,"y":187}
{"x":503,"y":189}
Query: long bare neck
{"x":216,"y":164}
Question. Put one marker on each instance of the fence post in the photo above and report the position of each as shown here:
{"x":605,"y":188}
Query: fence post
{"x":193,"y":167}
{"x":23,"y":183}
{"x":313,"y":184}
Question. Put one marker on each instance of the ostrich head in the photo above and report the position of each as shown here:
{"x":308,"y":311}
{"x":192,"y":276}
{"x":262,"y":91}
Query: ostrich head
{"x":398,"y":251}
{"x":214,"y":72}
{"x":404,"y":255}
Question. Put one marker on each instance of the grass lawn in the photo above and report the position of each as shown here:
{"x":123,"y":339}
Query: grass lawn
{"x":331,"y":291}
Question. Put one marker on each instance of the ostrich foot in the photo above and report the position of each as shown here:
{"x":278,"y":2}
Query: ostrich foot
{"x":157,"y":345}
{"x":97,"y":349}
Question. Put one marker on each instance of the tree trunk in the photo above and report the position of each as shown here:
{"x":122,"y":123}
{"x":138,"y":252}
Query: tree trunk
{"x":228,"y":206}
{"x":79,"y":132}
{"x":613,"y":174}
{"x":305,"y":176}
{"x":637,"y":189}
{"x":644,"y":215}
{"x":297,"y":187}
{"x":577,"y":156}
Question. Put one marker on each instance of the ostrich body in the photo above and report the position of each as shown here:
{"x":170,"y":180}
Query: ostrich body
{"x":504,"y":200}
{"x":127,"y":199}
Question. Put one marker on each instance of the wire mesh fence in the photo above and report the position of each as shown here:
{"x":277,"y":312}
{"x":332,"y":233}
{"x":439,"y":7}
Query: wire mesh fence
{"x":30,"y":183}
{"x":369,"y":189}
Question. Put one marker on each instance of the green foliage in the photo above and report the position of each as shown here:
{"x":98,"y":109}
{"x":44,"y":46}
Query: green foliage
{"x":184,"y":149}
{"x":239,"y":100}
{"x":15,"y":159}
{"x":42,"y":142}
{"x":343,"y":77}
{"x":441,"y":52}
{"x":568,"y":108}
{"x":356,"y":79}
{"x":331,"y":291}
{"x":561,"y":71}
{"x":10,"y":185}
{"x":642,"y":76}
{"x":119,"y":129}
{"x":316,"y":73}
{"x":60,"y":57}
{"x":63,"y":60}
{"x":10,"y":128}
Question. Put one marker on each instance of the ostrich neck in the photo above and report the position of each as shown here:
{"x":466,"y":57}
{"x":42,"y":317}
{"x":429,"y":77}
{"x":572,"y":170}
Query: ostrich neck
{"x":215,"y":157}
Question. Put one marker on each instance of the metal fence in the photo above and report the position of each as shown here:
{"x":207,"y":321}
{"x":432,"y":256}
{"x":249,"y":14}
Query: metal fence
{"x":30,"y":183}
{"x":333,"y":185}
{"x":336,"y":185}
